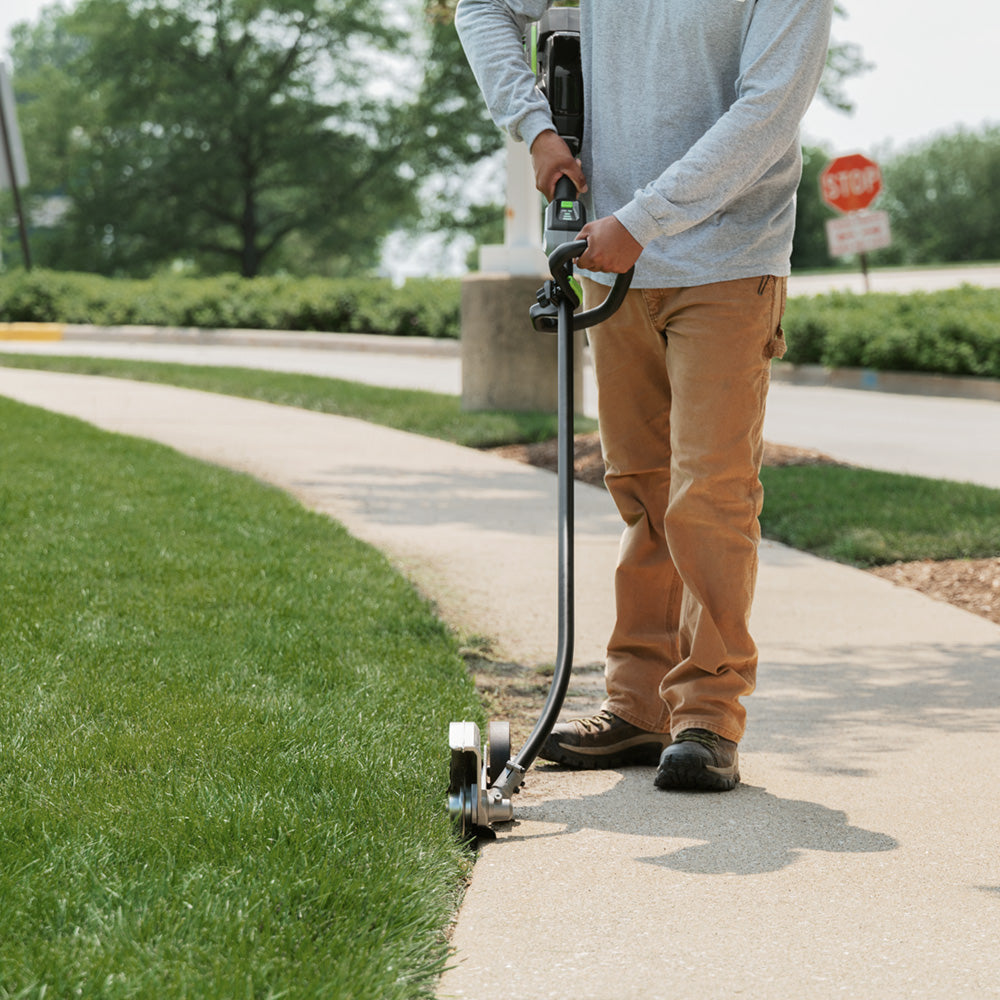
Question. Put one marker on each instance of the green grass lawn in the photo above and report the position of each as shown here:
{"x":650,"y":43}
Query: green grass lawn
{"x":869,"y":518}
{"x":222,"y":725}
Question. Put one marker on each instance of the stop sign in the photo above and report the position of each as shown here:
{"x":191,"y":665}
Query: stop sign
{"x":850,"y":183}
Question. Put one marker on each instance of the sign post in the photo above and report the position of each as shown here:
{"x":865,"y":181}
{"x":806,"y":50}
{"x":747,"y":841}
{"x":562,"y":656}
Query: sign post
{"x":850,"y":184}
{"x":13,"y":167}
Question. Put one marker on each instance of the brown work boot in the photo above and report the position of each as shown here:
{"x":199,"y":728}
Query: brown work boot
{"x":699,"y":760}
{"x":602,"y":740}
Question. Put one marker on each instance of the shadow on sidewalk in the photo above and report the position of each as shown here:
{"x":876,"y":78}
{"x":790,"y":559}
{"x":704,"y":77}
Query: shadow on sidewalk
{"x":482,"y":496}
{"x":846,"y":711}
{"x":843,"y":714}
{"x":748,"y":831}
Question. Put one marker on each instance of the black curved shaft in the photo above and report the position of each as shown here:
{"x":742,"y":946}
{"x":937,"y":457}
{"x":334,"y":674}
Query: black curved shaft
{"x":561,"y":265}
{"x":566,"y":597}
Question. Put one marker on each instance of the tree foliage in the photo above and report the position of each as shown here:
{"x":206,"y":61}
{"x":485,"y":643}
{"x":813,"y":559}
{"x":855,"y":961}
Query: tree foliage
{"x":809,"y":250}
{"x":943,"y":199}
{"x":241,"y":135}
{"x":843,"y":61}
{"x":942,"y":196}
{"x":293,"y":135}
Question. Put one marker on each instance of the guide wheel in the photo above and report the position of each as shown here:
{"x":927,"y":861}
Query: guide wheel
{"x":498,"y":749}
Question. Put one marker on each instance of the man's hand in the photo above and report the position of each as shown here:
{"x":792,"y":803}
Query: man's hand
{"x":551,"y":158}
{"x":610,"y":246}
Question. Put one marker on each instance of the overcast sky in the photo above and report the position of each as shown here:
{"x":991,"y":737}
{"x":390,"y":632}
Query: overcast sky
{"x":936,"y":67}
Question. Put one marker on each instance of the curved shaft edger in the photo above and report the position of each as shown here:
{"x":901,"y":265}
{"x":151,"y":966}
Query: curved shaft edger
{"x":480,"y":794}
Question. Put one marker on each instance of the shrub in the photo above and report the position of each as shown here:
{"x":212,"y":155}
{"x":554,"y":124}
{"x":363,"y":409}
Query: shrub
{"x":954,"y":332}
{"x":420,"y":308}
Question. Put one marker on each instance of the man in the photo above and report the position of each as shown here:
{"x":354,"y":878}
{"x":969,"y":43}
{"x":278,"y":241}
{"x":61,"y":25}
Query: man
{"x":691,"y":160}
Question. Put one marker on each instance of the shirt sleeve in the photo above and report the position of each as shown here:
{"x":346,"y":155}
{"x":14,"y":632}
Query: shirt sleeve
{"x":782,"y":59}
{"x":492,"y":33}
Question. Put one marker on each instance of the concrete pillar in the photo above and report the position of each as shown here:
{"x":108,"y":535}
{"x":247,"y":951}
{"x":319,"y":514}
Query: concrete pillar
{"x":506,"y":365}
{"x":521,"y":251}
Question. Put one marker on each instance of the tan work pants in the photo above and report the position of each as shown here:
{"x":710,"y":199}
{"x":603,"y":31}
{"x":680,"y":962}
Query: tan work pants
{"x":682,"y":376}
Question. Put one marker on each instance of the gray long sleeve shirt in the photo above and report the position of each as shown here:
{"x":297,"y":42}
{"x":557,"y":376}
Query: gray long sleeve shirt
{"x":693,"y":109}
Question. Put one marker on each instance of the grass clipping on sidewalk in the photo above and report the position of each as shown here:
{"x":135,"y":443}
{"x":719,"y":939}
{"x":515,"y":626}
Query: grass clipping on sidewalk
{"x":217,"y":715}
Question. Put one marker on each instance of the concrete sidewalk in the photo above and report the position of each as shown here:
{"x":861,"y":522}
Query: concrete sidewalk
{"x":859,"y":856}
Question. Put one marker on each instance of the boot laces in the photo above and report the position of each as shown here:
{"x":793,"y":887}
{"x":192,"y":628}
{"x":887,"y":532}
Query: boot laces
{"x":702,"y":736}
{"x":595,"y":723}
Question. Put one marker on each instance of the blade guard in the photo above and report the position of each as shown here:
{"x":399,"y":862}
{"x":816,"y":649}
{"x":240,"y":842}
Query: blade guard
{"x":473,"y":806}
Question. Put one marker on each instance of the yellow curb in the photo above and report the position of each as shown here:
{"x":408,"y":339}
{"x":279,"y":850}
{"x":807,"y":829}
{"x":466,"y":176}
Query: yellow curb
{"x":32,"y":331}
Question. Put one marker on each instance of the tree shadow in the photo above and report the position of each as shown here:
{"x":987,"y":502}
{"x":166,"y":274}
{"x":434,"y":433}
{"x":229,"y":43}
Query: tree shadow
{"x":841,"y":714}
{"x":476,"y":490}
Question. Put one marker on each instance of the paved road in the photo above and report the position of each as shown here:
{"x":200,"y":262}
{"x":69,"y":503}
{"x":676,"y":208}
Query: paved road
{"x":410,"y":364}
{"x":932,"y":436}
{"x":931,"y":279}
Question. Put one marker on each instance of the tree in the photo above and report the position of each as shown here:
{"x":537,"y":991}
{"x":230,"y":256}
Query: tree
{"x":843,"y":61}
{"x":811,"y":212}
{"x":943,"y":199}
{"x":240,"y":134}
{"x":55,"y":115}
{"x":450,"y":110}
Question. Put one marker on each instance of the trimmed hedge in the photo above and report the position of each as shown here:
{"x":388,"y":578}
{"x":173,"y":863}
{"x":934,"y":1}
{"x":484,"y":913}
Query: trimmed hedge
{"x":420,"y":308}
{"x":953,"y":332}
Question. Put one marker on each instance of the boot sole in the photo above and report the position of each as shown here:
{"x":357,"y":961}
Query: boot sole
{"x":636,"y":756}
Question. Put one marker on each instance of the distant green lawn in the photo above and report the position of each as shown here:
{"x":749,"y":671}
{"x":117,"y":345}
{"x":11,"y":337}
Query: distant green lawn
{"x":433,"y":414}
{"x":869,"y":518}
{"x":222,"y":736}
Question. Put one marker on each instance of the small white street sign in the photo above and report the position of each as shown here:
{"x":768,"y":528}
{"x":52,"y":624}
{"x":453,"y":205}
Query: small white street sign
{"x":857,"y":232}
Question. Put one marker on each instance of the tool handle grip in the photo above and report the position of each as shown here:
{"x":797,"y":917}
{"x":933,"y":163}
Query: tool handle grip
{"x":561,"y":265}
{"x":565,"y":189}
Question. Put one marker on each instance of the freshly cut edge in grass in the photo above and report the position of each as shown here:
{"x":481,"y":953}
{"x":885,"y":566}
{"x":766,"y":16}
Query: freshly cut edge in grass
{"x":432,"y":414}
{"x":217,"y":715}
